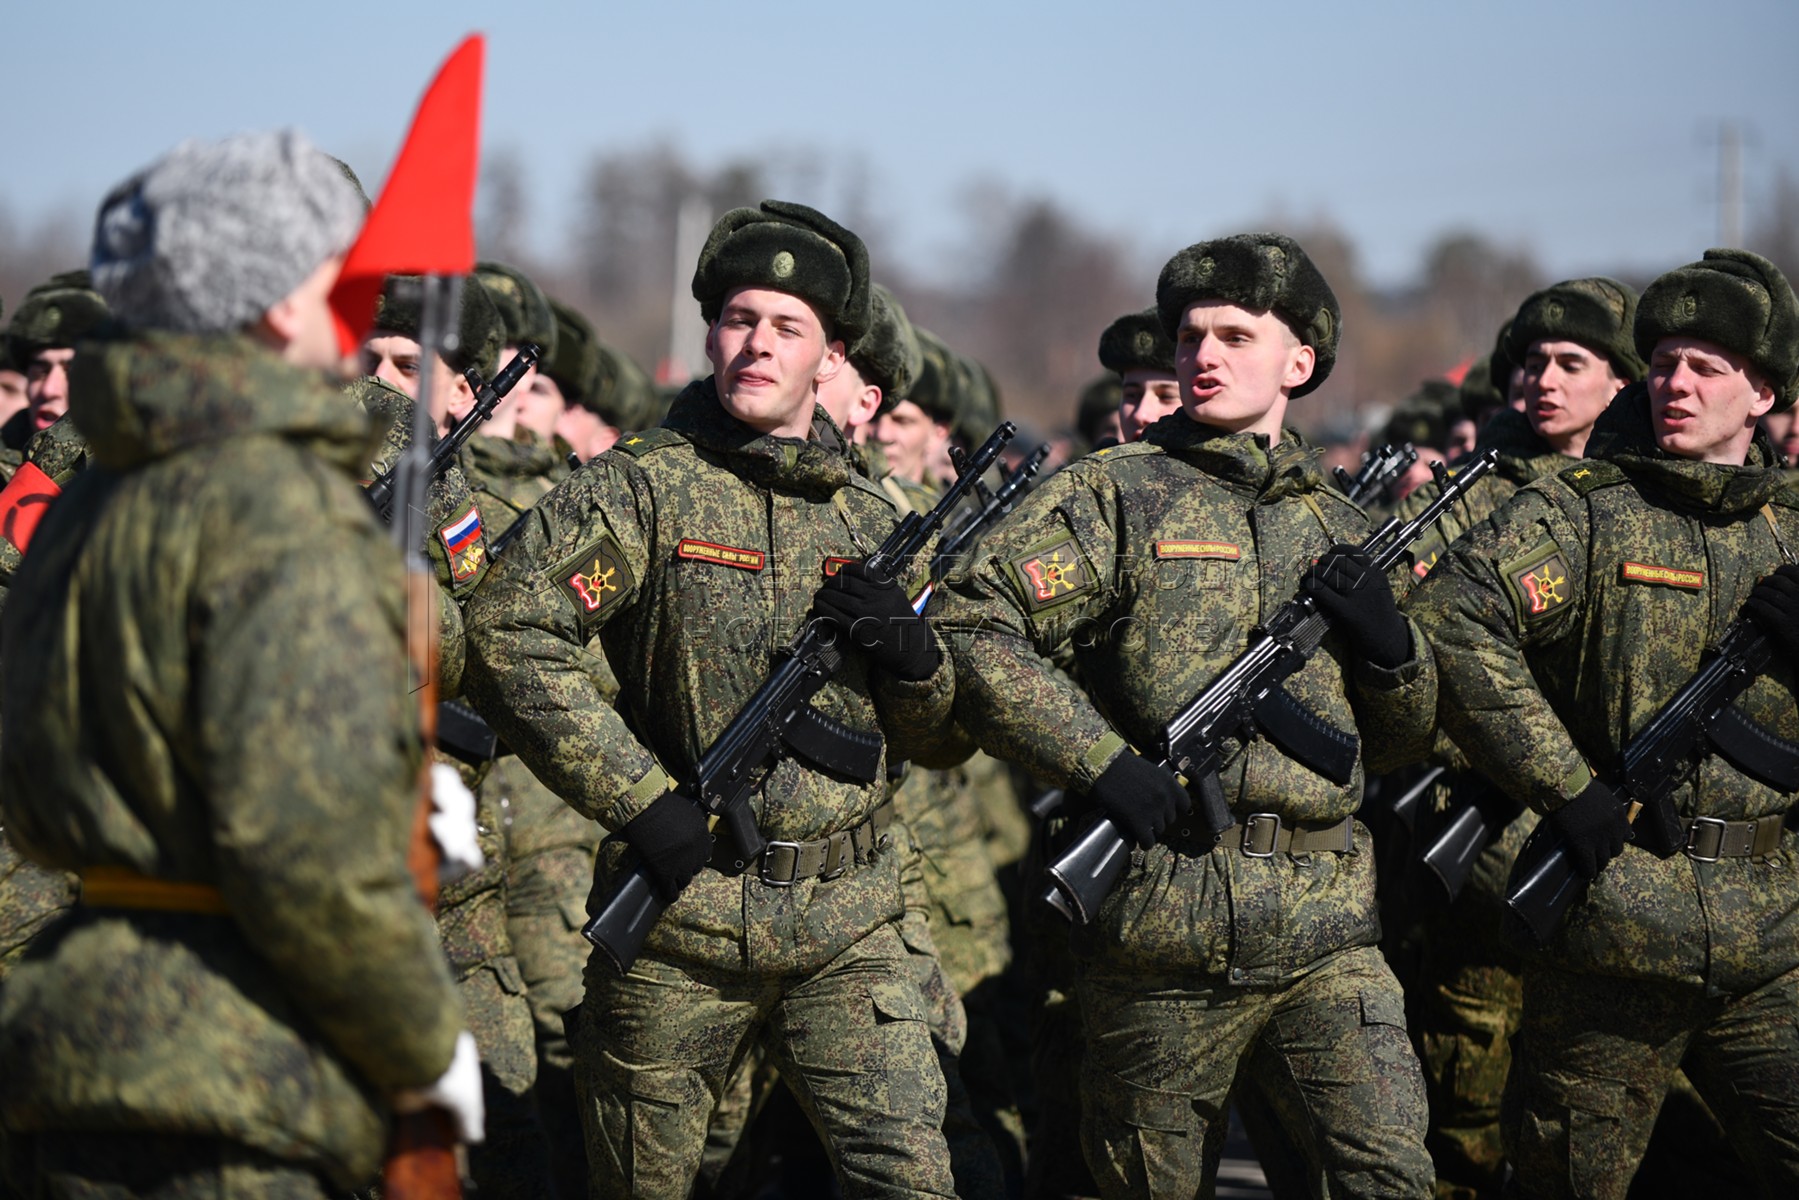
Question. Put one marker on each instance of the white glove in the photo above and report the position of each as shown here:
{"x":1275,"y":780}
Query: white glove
{"x":457,"y":1091}
{"x":452,"y":823}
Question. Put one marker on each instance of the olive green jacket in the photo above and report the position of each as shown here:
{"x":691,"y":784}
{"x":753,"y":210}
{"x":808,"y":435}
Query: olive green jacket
{"x":1563,"y":622}
{"x":206,"y":682}
{"x":698,"y":548}
{"x":1153,"y":561}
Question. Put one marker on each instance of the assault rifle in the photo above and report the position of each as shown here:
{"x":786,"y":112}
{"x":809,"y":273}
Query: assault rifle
{"x":778,"y":718}
{"x":487,"y":398}
{"x":996,"y":506}
{"x":1245,"y":699}
{"x":1380,"y":466}
{"x":1657,"y":762}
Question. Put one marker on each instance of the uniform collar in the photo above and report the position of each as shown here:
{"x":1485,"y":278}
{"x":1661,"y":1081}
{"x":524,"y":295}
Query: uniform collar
{"x":1625,"y":436}
{"x":1242,"y":460}
{"x":814,"y":467}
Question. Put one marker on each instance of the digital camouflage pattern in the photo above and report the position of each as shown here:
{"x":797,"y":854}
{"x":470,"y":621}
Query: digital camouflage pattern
{"x":224,"y":529}
{"x":1466,"y":995}
{"x":509,"y":475}
{"x":698,"y":547}
{"x":1553,"y":651}
{"x":1152,"y":561}
{"x":155,"y":1166}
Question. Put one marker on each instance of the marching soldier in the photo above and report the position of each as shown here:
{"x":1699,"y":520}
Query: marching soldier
{"x":696,"y":547}
{"x":249,"y":985}
{"x":1140,"y":352}
{"x":1561,"y":624}
{"x":1151,"y":560}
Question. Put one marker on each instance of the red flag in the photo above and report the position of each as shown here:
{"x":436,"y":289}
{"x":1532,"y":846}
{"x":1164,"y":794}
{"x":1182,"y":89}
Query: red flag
{"x":424,"y":222}
{"x":23,"y":504}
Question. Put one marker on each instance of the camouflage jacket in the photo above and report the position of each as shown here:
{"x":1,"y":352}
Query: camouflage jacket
{"x":1566,"y":620}
{"x":456,"y":536}
{"x":509,"y":475}
{"x":1523,"y":458}
{"x":698,"y":547}
{"x":1154,"y":560}
{"x":206,"y":683}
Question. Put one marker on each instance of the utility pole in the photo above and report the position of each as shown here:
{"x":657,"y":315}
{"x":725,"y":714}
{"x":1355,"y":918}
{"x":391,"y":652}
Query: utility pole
{"x":1730,"y":184}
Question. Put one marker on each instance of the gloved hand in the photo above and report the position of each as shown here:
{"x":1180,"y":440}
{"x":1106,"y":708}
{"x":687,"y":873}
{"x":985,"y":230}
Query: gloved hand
{"x":877,"y":617}
{"x":672,"y":839}
{"x":457,"y":1091}
{"x":1773,"y":605}
{"x":1141,"y":798}
{"x":452,"y":823}
{"x":1356,"y":597}
{"x":1594,"y":827}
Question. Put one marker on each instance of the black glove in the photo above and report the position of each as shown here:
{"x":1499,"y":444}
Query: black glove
{"x":1141,"y":798}
{"x":1773,"y":605}
{"x":671,"y":838}
{"x":876,"y":616}
{"x":1594,"y":828}
{"x":1356,"y":597}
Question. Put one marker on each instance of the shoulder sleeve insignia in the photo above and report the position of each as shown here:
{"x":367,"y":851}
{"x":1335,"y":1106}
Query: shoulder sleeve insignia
{"x":1053,"y":574}
{"x":834,"y":565}
{"x":462,"y":538}
{"x":1589,"y":476}
{"x":1537,"y":581}
{"x":1636,"y":572}
{"x":724,"y":556}
{"x":595,"y":579}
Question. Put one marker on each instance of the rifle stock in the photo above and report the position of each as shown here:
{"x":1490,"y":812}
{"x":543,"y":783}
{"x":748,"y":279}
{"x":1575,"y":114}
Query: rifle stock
{"x":728,"y":770}
{"x":1193,"y":742}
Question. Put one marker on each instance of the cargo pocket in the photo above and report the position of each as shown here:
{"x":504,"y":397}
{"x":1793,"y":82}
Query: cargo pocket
{"x":1148,"y":1139}
{"x":505,"y":970}
{"x":1595,"y":1122}
{"x":901,"y":1075}
{"x":667,"y":1115}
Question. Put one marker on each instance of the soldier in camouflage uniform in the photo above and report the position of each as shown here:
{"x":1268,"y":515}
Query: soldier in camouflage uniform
{"x":1577,"y":342}
{"x":207,"y":719}
{"x":1560,"y":624}
{"x":41,"y":339}
{"x":697,"y":547}
{"x":509,"y":465}
{"x":472,"y":911}
{"x":1152,"y":560}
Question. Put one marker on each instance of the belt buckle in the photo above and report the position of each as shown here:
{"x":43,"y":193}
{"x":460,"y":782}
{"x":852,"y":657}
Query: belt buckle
{"x":762,"y":867}
{"x":1252,"y":822}
{"x":1691,"y":847}
{"x":846,"y":841}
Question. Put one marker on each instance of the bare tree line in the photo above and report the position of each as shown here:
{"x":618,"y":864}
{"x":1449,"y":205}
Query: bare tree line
{"x":1028,"y":298}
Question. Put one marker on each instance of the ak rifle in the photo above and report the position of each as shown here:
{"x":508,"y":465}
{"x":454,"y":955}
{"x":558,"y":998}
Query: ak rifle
{"x":779,"y":718}
{"x":487,"y":398}
{"x":1657,"y":762}
{"x":1380,"y":467}
{"x":1245,"y":699}
{"x":996,"y":505}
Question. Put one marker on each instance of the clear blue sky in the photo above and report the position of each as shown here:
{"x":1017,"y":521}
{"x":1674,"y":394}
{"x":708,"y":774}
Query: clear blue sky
{"x":1584,"y":130}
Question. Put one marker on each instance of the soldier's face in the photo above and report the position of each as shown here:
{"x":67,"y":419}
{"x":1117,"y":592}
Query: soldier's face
{"x":1704,"y":400}
{"x":908,"y":436}
{"x":394,"y":360}
{"x":47,"y":385}
{"x":1783,"y":428}
{"x":1148,"y":397}
{"x":12,"y":393}
{"x":1236,"y":367}
{"x":1566,"y":387}
{"x":539,"y":404}
{"x":769,"y":354}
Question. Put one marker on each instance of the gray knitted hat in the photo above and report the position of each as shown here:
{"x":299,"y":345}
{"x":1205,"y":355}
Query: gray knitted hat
{"x":206,"y":238}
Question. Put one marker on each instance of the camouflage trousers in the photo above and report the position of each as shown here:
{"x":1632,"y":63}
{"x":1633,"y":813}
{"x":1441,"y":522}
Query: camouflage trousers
{"x":1596,"y":1055}
{"x":548,"y":876}
{"x":1328,"y":1050}
{"x":125,"y":1165}
{"x":656,"y":1048}
{"x":514,"y":1161}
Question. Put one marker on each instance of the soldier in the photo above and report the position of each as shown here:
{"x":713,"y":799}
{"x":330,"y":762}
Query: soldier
{"x":916,"y":430}
{"x":508,"y":464}
{"x":690,"y":542}
{"x":1097,"y":418}
{"x":42,"y":335}
{"x":1561,"y":624}
{"x":391,"y":351}
{"x":1151,"y":560}
{"x":250,"y":984}
{"x":1139,"y":350}
{"x":1577,"y":341}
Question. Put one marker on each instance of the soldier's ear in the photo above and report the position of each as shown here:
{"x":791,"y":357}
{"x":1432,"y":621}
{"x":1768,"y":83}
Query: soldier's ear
{"x":831,"y":363}
{"x":1300,"y":366}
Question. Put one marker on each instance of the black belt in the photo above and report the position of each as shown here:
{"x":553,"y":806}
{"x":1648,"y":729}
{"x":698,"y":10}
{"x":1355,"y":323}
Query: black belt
{"x":783,"y":864}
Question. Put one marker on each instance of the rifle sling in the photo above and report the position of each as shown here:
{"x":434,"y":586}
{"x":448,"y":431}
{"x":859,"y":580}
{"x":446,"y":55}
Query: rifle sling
{"x":1307,"y":737}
